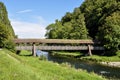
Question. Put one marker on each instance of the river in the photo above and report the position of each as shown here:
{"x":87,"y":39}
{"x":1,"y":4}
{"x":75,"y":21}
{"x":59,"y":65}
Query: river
{"x":109,"y":72}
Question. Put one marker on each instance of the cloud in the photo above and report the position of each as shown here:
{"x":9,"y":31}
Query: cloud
{"x":25,"y":11}
{"x":28,"y":29}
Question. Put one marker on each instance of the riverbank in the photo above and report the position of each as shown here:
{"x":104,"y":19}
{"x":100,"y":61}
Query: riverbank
{"x":111,"y":64}
{"x":112,"y":61}
{"x":27,"y":67}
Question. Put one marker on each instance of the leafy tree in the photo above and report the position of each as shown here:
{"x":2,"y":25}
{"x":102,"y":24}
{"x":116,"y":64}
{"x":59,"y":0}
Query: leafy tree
{"x":71,"y":26}
{"x":3,"y":36}
{"x":6,"y":31}
{"x":4,"y":19}
{"x":67,"y":17}
{"x":96,"y":19}
{"x":96,"y":11}
{"x":54,"y":31}
{"x":109,"y":33}
{"x":78,"y":23}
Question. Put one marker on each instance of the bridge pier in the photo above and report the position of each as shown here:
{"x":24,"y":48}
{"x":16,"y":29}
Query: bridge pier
{"x":33,"y":50}
{"x":89,"y":50}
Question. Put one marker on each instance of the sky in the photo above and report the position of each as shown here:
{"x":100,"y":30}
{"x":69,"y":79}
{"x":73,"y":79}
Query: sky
{"x":29,"y":18}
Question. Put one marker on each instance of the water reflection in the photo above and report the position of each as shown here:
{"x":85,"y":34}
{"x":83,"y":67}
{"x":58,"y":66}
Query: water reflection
{"x":42,"y":53}
{"x":109,"y":72}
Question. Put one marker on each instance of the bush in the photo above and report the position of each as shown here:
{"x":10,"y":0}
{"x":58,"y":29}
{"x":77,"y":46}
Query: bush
{"x":10,"y":45}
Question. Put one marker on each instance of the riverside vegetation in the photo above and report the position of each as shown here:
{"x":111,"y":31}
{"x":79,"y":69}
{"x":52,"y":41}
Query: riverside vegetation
{"x":25,"y":67}
{"x":94,"y":19}
{"x":95,"y":58}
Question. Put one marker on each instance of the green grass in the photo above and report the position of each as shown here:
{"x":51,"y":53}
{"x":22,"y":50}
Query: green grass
{"x":95,"y":58}
{"x":14,"y":67}
{"x":103,"y":58}
{"x":68,"y":54}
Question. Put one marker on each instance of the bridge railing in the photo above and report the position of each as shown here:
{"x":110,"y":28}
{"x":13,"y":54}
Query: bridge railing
{"x":59,"y":47}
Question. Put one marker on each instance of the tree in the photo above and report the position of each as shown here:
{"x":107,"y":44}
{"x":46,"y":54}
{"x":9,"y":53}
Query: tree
{"x":96,"y":11}
{"x":71,"y":26}
{"x":4,"y":19}
{"x":109,"y":33}
{"x":6,"y":31}
{"x":3,"y":36}
{"x":96,"y":19}
{"x":54,"y":31}
{"x":79,"y":27}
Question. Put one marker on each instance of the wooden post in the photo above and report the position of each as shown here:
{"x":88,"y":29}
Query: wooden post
{"x":34,"y":50}
{"x":89,"y":50}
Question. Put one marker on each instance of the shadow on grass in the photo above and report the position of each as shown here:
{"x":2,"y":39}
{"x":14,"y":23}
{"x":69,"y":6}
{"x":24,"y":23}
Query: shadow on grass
{"x":25,"y":53}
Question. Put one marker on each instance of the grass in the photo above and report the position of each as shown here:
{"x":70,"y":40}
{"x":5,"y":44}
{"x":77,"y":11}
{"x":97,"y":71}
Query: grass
{"x":102,"y":58}
{"x":96,"y":58}
{"x":15,"y":67}
{"x":68,"y":54}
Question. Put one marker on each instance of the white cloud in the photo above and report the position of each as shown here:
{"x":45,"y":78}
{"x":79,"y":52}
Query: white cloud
{"x":28,"y":29}
{"x":25,"y":11}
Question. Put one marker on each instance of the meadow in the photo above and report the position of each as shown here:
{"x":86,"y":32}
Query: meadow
{"x":26,"y":67}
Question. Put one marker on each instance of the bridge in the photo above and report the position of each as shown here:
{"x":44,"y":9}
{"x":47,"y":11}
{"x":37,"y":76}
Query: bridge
{"x":57,"y":44}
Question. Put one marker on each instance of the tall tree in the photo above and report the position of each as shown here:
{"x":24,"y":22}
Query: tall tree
{"x":54,"y":30}
{"x":79,"y":27}
{"x":109,"y":33}
{"x":6,"y":30}
{"x":96,"y":11}
{"x":71,"y":26}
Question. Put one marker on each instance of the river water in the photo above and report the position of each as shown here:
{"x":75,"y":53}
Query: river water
{"x":109,"y":72}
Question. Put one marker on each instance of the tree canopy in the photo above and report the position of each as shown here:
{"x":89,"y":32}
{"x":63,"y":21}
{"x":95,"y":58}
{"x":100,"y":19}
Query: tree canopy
{"x":6,"y":30}
{"x":71,"y":26}
{"x":94,"y":19}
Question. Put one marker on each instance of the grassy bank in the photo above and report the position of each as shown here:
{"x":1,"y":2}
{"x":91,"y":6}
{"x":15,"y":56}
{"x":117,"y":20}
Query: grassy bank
{"x":66,"y":54}
{"x":95,"y":58}
{"x":14,"y":67}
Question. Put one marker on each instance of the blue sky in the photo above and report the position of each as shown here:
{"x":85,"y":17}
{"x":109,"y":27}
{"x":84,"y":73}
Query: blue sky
{"x":30,"y":17}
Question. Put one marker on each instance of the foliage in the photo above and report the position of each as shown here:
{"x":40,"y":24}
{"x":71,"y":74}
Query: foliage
{"x":102,"y":21}
{"x":97,"y":58}
{"x":71,"y":26}
{"x":6,"y":30}
{"x":91,"y":20}
{"x":4,"y":19}
{"x":96,"y":11}
{"x":3,"y":35}
{"x":110,"y":32}
{"x":9,"y":44}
